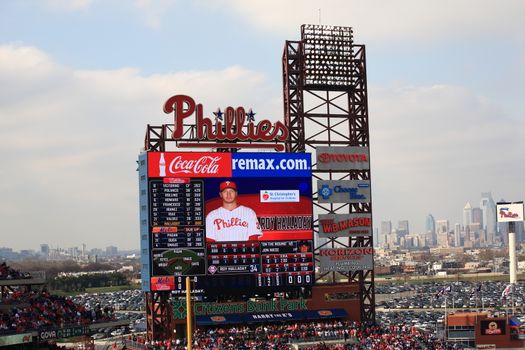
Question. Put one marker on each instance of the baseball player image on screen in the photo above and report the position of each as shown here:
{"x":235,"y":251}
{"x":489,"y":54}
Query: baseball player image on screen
{"x":231,"y":221}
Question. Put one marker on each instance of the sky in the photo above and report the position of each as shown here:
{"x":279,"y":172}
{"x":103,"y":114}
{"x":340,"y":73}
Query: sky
{"x":81,"y":79}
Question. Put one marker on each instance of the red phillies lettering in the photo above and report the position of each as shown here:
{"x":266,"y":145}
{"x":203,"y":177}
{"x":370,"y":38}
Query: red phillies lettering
{"x":221,"y":223}
{"x":203,"y":165}
{"x":231,"y":128}
{"x":183,"y":106}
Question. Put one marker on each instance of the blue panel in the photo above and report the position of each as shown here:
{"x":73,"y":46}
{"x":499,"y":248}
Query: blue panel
{"x":325,"y":313}
{"x":144,"y":223}
{"x":271,"y":164}
{"x":272,"y":317}
{"x":218,"y":320}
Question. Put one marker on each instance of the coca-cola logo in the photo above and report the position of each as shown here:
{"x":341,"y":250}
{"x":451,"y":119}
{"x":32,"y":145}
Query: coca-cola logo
{"x":203,"y":165}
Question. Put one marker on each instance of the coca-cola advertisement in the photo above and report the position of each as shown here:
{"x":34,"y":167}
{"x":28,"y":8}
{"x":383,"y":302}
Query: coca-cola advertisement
{"x":189,"y":164}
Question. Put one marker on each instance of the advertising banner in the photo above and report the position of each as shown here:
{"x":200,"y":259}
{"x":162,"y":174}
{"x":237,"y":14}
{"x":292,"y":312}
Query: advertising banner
{"x":509,"y":212}
{"x":345,"y":225}
{"x":344,"y":191}
{"x":223,"y":215}
{"x":163,"y":283}
{"x":342,"y":158}
{"x":189,"y":164}
{"x":493,"y":327}
{"x":61,"y":333}
{"x":14,"y":339}
{"x":346,"y":259}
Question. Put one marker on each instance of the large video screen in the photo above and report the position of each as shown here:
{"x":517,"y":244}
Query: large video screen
{"x":233,"y":221}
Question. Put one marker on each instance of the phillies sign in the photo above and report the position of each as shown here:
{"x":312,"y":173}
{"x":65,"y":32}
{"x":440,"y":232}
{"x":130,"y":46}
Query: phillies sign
{"x":509,"y":211}
{"x":233,"y":125}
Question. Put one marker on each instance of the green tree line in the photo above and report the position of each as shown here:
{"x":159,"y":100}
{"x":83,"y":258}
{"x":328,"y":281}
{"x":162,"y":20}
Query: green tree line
{"x":80,"y":283}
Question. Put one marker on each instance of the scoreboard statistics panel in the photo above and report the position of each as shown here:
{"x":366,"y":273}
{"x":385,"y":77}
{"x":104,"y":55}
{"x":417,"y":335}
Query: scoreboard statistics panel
{"x":184,"y":189}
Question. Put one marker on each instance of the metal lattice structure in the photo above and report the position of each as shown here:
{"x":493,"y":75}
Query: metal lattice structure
{"x":325,"y":104}
{"x":158,"y":315}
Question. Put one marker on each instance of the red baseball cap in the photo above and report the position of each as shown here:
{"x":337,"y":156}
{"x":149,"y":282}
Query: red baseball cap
{"x":227,"y":184}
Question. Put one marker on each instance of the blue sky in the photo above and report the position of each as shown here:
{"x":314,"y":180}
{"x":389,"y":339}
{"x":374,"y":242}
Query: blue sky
{"x":82,"y":78}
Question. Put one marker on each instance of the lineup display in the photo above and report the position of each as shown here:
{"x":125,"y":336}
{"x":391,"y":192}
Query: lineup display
{"x":231,"y":221}
{"x":177,"y":203}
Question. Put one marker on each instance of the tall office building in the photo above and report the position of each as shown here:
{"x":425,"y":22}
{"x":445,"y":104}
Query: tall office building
{"x":477,"y":217}
{"x":503,"y":229}
{"x":386,"y":227}
{"x":457,"y":235}
{"x":384,"y":233}
{"x":375,"y":235}
{"x":44,"y":249}
{"x":467,"y":215}
{"x":488,"y":207}
{"x":520,"y":232}
{"x":430,"y":230}
{"x":442,"y":233}
{"x":111,"y":250}
{"x":402,"y":228}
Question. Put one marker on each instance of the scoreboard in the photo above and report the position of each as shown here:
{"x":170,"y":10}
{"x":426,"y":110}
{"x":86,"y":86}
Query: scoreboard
{"x":178,"y":203}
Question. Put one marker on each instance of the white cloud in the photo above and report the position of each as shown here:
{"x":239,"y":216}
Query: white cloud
{"x":154,"y":11}
{"x":69,"y":5}
{"x":69,"y":140}
{"x":440,"y":144}
{"x":383,"y":20}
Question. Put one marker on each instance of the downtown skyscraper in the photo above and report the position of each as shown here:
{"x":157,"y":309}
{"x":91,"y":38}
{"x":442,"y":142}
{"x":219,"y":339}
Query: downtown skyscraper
{"x":488,"y":208}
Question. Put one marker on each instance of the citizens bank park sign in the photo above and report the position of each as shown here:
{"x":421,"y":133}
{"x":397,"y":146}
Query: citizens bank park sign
{"x":234,"y":124}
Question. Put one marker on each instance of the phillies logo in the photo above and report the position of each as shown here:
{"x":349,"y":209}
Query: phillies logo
{"x":206,"y":165}
{"x":233,"y":222}
{"x":232,"y":125}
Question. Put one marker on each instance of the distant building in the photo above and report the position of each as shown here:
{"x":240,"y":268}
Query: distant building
{"x":488,"y":207}
{"x":375,"y":237}
{"x":477,"y":216}
{"x":467,"y":215}
{"x":430,"y":230}
{"x":386,"y":229}
{"x":442,"y":230}
{"x":111,"y":251}
{"x":44,"y":249}
{"x":402,"y":228}
{"x":457,"y":235}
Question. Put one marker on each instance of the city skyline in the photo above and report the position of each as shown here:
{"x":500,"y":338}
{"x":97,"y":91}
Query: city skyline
{"x":444,"y":96}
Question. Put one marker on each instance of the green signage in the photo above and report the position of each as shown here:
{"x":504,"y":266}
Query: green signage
{"x":14,"y":339}
{"x":209,"y":309}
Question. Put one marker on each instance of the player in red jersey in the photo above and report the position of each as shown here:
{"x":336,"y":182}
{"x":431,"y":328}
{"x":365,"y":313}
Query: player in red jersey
{"x":231,"y":221}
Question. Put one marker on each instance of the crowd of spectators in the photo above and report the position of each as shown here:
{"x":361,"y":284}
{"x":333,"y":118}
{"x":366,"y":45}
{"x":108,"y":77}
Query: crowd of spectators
{"x":331,"y":335}
{"x":31,"y":310}
{"x":8,"y":273}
